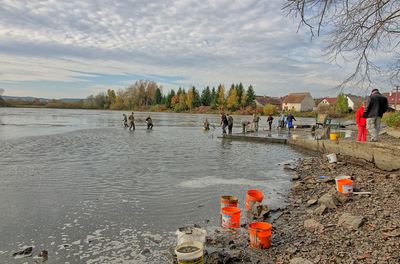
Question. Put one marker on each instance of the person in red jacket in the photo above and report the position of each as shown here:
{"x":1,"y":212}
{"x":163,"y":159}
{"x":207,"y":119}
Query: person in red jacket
{"x":361,"y":124}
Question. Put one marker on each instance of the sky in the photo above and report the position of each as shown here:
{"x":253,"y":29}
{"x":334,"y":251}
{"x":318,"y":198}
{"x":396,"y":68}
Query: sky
{"x":71,"y":49}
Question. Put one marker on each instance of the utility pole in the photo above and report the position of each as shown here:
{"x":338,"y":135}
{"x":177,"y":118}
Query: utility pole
{"x":396,"y":97}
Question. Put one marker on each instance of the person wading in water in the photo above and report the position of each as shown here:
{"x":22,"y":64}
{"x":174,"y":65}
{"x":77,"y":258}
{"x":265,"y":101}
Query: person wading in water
{"x":131,"y":122}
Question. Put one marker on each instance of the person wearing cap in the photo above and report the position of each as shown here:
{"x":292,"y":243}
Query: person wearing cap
{"x":131,"y":122}
{"x":377,"y":105}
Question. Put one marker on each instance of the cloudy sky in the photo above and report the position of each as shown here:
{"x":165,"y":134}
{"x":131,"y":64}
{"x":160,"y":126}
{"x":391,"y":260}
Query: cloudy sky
{"x":58,"y":49}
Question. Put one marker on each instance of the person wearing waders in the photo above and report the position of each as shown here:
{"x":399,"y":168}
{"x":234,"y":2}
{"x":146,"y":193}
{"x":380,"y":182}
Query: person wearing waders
{"x":281,"y":121}
{"x":206,"y":125}
{"x":377,"y":105}
{"x":256,"y":119}
{"x":289,"y":120}
{"x":149,"y":123}
{"x":270,"y":119}
{"x":224,"y":123}
{"x":230,"y":123}
{"x":125,"y":120}
{"x":131,"y":122}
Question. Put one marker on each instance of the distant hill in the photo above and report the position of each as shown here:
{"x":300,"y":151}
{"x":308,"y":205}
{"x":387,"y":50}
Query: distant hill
{"x":31,"y":99}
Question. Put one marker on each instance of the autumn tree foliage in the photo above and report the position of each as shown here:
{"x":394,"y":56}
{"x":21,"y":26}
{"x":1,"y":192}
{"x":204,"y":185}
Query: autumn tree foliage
{"x":145,"y":94}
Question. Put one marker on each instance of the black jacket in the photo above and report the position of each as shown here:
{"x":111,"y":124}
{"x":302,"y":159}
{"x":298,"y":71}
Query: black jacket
{"x":377,"y":105}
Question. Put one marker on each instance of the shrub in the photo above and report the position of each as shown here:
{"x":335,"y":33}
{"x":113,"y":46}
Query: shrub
{"x":392,"y":119}
{"x":269,"y":109}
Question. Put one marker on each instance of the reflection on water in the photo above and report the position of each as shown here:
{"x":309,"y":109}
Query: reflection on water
{"x":77,"y":184}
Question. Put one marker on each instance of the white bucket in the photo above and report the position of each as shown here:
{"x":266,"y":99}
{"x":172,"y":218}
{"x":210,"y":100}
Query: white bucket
{"x":190,"y":234}
{"x":190,"y":252}
{"x":332,"y":158}
{"x":343,"y":177}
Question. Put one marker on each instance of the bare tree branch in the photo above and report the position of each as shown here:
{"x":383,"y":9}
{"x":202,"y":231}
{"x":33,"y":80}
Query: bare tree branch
{"x":358,"y":29}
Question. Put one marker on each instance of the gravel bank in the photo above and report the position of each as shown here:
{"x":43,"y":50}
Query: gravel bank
{"x":321,"y":226}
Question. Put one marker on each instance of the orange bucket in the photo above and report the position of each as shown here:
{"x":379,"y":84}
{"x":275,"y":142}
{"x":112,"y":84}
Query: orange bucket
{"x":230,"y":217}
{"x":345,"y":186}
{"x":228,"y":201}
{"x":260,"y":235}
{"x":253,"y":196}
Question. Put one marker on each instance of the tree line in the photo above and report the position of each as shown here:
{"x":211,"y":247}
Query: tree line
{"x":149,"y":95}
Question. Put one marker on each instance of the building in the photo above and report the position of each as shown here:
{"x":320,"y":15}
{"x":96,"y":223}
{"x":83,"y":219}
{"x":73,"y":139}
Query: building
{"x":261,"y":101}
{"x":298,"y":102}
{"x":354,"y":101}
{"x":327,"y":102}
{"x":392,"y":97}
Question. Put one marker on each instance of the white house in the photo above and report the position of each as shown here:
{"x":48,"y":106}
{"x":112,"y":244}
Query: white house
{"x":298,"y":102}
{"x":354,"y":101}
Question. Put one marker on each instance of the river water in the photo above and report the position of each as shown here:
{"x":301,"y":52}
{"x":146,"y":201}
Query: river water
{"x":76,"y":183}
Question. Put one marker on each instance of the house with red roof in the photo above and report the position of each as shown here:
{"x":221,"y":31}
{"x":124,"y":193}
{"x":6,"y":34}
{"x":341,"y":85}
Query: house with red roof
{"x":327,"y":102}
{"x":393,"y":99}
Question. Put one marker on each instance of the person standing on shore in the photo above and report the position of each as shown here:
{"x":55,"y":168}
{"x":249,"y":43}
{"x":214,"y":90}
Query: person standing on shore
{"x":377,"y":105}
{"x":230,"y":123}
{"x":125,"y":119}
{"x":270,"y":119}
{"x":290,"y":119}
{"x":256,"y":119}
{"x":131,"y":122}
{"x":361,"y":124}
{"x":224,"y":123}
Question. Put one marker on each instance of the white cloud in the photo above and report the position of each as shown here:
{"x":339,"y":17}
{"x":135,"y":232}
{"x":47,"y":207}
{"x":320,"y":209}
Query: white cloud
{"x":206,"y":42}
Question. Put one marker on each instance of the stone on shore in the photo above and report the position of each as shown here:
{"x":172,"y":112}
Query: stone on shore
{"x":328,"y":200}
{"x":300,"y":261}
{"x":312,"y":224}
{"x":351,"y":221}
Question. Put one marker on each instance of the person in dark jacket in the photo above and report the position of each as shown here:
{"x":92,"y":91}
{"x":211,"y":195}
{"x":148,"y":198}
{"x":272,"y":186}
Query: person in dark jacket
{"x":270,"y":119}
{"x":290,"y":119}
{"x":149,"y":122}
{"x":377,"y":105}
{"x":230,"y":123}
{"x":224,"y":123}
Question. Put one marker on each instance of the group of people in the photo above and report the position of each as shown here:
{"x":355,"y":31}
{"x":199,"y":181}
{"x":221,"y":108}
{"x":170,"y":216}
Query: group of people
{"x":368,"y":116}
{"x":131,"y":120}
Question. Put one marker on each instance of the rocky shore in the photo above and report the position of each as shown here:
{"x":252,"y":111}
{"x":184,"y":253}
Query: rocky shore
{"x":320,"y":225}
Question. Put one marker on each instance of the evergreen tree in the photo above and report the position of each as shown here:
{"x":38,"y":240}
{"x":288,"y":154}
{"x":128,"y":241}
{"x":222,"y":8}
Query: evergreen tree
{"x":157,"y":96}
{"x":250,"y":94}
{"x":206,"y":96}
{"x":214,"y":98}
{"x":164,"y":100}
{"x":196,"y":97}
{"x":239,"y":89}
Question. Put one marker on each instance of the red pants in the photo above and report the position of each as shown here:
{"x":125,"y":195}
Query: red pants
{"x":362,"y":133}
